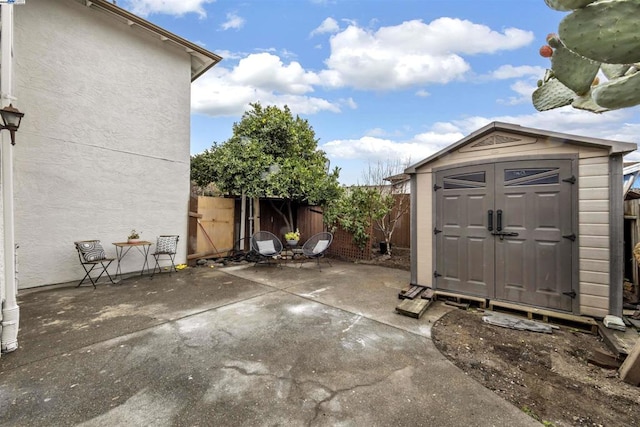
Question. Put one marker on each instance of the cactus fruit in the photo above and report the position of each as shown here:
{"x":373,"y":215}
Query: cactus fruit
{"x":564,"y":5}
{"x":605,"y":31}
{"x":554,"y":40}
{"x":574,"y":71}
{"x":546,"y":51}
{"x":618,"y":93}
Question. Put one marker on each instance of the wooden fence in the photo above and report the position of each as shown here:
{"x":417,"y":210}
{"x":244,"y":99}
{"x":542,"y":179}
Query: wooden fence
{"x":214,"y":224}
{"x":631,"y":239}
{"x":211,"y":227}
{"x":343,"y":246}
{"x":401,"y":237}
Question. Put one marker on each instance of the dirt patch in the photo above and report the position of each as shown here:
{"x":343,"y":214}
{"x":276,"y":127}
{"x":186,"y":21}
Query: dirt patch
{"x":545,"y":375}
{"x":400,"y":259}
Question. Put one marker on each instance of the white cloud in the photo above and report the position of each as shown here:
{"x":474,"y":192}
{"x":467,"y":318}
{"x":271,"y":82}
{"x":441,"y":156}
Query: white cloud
{"x":566,"y":120}
{"x":233,"y":22}
{"x":349,"y":102}
{"x":376,"y":132}
{"x":167,"y":7}
{"x":511,"y":72}
{"x":227,"y":54}
{"x":258,"y":77}
{"x":412,"y":53}
{"x":394,"y":57}
{"x":523,"y":89}
{"x":374,"y":148}
{"x":268,"y":72}
{"x":329,"y":25}
{"x":376,"y":144}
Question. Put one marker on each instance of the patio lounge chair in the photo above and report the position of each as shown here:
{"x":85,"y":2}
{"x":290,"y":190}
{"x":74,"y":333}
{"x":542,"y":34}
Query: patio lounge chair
{"x":167,"y":246}
{"x":266,"y":245}
{"x":317,"y":246}
{"x":91,"y":255}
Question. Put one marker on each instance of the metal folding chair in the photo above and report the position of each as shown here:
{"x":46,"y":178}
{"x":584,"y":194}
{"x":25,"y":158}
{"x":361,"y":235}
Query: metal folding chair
{"x":91,"y":255}
{"x":167,"y":246}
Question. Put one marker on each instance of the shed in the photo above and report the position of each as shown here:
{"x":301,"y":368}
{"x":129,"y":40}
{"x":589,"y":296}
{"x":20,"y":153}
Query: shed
{"x":522,"y":215}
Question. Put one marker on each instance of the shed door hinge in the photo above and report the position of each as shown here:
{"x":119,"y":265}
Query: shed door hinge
{"x":436,"y":231}
{"x":436,"y":274}
{"x":436,"y":187}
{"x":571,"y":237}
{"x":571,"y":294}
{"x":571,"y":180}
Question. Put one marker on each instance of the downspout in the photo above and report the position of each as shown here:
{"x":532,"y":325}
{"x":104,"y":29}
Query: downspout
{"x":243,"y":221}
{"x":10,"y":309}
{"x":251,"y":216}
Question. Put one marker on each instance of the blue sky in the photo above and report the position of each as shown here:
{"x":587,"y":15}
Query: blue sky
{"x":378,"y":80}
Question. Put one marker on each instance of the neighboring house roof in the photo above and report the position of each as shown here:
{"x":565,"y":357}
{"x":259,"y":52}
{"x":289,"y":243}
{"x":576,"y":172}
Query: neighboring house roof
{"x":201,"y":59}
{"x":398,"y":179}
{"x":614,"y":147}
{"x":630,"y":175}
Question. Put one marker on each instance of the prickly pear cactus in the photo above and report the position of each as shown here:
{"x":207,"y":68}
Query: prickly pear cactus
{"x":604,"y":31}
{"x":601,"y":35}
{"x":586,"y":102}
{"x":612,"y":71}
{"x":551,"y":93}
{"x":618,"y":93}
{"x":564,"y":5}
{"x":574,"y":71}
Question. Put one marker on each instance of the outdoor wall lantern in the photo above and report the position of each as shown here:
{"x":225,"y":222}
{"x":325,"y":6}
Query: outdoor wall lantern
{"x":11,"y":117}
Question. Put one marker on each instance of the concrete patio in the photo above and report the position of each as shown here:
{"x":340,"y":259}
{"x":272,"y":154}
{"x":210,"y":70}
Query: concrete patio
{"x":238,"y":345}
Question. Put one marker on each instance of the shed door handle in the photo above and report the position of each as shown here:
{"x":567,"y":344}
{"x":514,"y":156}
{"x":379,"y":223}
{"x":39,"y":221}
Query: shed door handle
{"x":499,"y":225}
{"x":490,"y":220}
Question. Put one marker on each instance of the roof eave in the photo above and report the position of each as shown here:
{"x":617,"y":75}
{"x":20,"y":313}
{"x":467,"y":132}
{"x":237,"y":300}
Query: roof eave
{"x":201,"y":58}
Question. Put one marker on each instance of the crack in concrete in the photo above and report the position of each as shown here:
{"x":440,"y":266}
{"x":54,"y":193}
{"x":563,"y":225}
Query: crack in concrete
{"x":334,"y":393}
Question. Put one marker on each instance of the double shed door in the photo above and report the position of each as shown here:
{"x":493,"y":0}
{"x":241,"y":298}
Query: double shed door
{"x":499,"y":232}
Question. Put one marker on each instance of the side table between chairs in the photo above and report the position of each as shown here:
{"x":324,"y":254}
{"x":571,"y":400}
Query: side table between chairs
{"x":123,"y":248}
{"x":293,"y":252}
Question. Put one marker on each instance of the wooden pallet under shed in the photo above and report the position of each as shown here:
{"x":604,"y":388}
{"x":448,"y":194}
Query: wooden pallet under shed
{"x":580,"y":322}
{"x":415,"y":301}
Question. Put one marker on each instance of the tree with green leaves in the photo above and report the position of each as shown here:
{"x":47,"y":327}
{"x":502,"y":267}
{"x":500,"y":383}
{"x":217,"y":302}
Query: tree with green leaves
{"x":389,"y":201}
{"x":381,"y":202}
{"x":353,"y":211}
{"x":274,"y":155}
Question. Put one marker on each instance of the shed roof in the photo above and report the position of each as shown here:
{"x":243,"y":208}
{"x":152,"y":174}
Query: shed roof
{"x":614,"y":147}
{"x":201,"y":59}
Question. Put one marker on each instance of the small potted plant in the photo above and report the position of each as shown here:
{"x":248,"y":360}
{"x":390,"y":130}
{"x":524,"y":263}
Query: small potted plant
{"x":292,"y":237}
{"x":134,"y":237}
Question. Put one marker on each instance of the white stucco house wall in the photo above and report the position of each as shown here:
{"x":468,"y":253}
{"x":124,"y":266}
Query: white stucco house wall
{"x":104,"y":146}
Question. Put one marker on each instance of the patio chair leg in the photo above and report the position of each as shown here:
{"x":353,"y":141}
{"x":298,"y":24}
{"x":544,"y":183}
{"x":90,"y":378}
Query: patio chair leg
{"x":104,"y":270}
{"x":87,"y":275}
{"x":157,"y":265}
